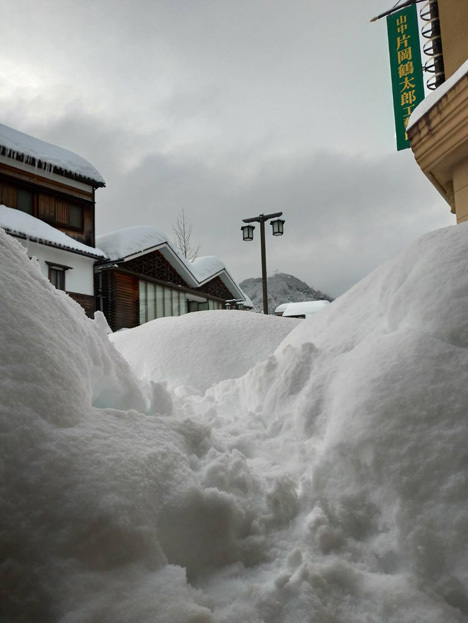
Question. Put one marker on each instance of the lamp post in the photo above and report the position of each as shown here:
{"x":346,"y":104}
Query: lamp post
{"x":277,"y":230}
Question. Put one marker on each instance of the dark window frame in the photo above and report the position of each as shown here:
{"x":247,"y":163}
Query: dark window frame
{"x":58,"y":269}
{"x":21,"y":195}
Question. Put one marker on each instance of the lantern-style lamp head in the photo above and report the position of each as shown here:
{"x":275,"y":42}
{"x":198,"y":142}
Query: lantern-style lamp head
{"x":247,"y":232}
{"x":277,"y":227}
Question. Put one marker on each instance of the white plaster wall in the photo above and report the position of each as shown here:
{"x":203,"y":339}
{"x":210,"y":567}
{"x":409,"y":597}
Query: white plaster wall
{"x":79,"y":278}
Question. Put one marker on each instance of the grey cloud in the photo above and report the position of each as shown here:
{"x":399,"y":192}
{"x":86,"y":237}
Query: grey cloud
{"x":228,"y":109}
{"x":344,"y":215}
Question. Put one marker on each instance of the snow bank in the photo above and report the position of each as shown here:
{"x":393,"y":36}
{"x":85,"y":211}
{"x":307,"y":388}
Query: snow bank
{"x":327,"y":484}
{"x":363,"y":412}
{"x":202,"y":348}
{"x":17,"y":222}
{"x":40,"y":153}
{"x":83,"y":484}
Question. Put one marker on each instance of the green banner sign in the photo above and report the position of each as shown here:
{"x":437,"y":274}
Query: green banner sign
{"x":406,"y":68}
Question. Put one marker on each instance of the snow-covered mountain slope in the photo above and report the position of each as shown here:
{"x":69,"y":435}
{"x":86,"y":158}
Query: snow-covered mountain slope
{"x":282,"y":288}
{"x":327,"y":484}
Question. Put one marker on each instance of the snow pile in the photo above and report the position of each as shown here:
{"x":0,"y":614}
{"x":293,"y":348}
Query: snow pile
{"x":19,"y":223}
{"x":45,"y":155}
{"x":328,"y":484}
{"x":83,"y":484}
{"x":363,"y":413}
{"x":201,"y":348}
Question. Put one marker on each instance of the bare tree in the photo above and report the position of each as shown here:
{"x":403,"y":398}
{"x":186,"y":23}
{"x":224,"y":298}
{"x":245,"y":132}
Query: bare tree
{"x":183,"y":236}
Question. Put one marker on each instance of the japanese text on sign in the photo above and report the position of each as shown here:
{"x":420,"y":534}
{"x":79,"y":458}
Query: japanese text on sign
{"x":406,"y":68}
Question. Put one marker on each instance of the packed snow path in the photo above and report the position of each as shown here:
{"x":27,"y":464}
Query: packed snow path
{"x":328,"y":484}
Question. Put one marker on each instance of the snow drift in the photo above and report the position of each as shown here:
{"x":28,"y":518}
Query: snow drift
{"x":328,"y":484}
{"x":200,"y":349}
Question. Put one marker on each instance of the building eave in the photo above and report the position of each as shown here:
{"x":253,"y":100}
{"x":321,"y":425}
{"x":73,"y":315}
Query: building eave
{"x":439,"y":138}
{"x":48,"y":243}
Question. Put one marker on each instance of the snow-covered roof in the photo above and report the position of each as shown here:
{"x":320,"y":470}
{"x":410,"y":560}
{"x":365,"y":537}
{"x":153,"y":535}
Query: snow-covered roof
{"x":280,"y":309}
{"x":45,"y":155}
{"x":433,"y":98}
{"x":206,"y":267}
{"x":21,"y":224}
{"x":302,"y":308}
{"x":247,"y":300}
{"x":124,"y":244}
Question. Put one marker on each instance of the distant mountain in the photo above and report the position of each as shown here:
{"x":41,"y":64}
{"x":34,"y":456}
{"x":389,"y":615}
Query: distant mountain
{"x":282,"y":288}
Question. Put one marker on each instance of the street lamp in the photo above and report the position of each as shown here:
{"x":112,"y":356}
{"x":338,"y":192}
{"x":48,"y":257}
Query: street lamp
{"x":247,"y":233}
{"x":277,"y":227}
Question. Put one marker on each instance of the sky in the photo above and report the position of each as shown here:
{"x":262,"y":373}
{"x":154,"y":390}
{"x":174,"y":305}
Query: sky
{"x":227,"y":109}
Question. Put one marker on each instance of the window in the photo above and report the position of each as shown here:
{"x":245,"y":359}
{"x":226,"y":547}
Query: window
{"x":57,"y":277}
{"x":25,"y":201}
{"x":159,"y":302}
{"x":167,"y":302}
{"x":48,"y":208}
{"x":76,"y":217}
{"x":194,"y":306}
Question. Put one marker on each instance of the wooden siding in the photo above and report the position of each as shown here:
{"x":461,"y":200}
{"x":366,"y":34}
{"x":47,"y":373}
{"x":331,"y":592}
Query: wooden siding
{"x":43,"y":182}
{"x":8,"y":195}
{"x":53,"y":208}
{"x":120,"y":298}
{"x":127,"y":301}
{"x":118,"y":294}
{"x":103,"y":288}
{"x":86,"y":301}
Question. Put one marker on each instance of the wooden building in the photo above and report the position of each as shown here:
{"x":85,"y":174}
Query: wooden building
{"x":145,"y":278}
{"x":438,"y":129}
{"x":46,"y":191}
{"x":47,"y":201}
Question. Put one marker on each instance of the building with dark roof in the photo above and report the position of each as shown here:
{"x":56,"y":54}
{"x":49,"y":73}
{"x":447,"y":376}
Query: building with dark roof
{"x":145,"y":278}
{"x":47,"y":201}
